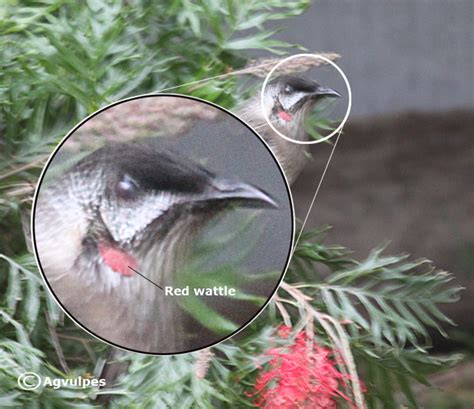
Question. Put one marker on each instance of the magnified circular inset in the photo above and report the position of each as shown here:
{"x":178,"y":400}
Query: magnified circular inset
{"x":162,"y":224}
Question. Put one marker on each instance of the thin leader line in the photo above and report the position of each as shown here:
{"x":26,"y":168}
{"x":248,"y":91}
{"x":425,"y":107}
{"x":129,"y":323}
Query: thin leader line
{"x":141,"y":275}
{"x":242,"y":71}
{"x":316,"y":192}
{"x":248,"y":70}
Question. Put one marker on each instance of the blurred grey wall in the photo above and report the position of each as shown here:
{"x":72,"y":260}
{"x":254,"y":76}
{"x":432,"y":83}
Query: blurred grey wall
{"x":399,"y":55}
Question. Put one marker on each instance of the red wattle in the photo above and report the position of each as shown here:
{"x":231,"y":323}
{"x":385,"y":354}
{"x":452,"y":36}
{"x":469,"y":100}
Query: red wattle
{"x":118,"y":260}
{"x":285,"y":116}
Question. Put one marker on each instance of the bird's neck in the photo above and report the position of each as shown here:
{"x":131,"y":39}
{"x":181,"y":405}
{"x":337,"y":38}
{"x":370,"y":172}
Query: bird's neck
{"x":162,"y":264}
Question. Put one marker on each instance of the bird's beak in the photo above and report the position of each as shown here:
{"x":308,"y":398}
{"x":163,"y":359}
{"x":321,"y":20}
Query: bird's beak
{"x":241,"y":193}
{"x":325,"y":92}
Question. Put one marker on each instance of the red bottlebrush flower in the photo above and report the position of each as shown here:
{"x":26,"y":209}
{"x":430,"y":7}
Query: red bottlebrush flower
{"x":302,"y":375}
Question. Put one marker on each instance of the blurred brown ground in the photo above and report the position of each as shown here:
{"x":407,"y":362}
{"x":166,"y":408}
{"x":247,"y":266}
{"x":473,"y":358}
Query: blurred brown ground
{"x":407,"y":179}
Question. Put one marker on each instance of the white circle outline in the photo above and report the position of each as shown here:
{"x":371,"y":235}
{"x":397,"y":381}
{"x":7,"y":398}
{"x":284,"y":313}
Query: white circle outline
{"x":27,"y":386}
{"x":349,"y":104}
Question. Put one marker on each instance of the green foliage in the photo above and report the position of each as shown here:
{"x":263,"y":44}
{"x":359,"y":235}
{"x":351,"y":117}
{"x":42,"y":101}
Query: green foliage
{"x":61,"y":61}
{"x":149,"y":384}
{"x":319,"y":124}
{"x":386,"y":304}
{"x":390,"y":357}
{"x":26,"y":342}
{"x":390,"y":297}
{"x":230,"y":374}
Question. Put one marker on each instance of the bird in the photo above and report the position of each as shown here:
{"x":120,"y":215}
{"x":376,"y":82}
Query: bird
{"x":125,"y":215}
{"x":287,"y":101}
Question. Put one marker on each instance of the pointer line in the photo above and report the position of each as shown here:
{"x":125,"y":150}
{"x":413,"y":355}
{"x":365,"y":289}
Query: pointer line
{"x":140,"y":274}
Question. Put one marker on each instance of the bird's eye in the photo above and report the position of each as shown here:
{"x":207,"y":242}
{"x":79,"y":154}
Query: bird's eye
{"x":127,"y":188}
{"x":288,"y":89}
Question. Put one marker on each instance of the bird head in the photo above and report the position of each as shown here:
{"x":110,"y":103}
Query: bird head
{"x":287,"y":99}
{"x":138,"y":196}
